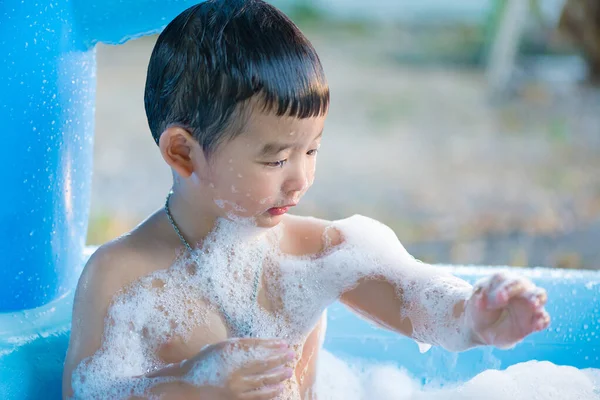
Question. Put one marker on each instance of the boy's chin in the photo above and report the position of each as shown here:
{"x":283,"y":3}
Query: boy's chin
{"x":262,"y":220}
{"x":266,"y":220}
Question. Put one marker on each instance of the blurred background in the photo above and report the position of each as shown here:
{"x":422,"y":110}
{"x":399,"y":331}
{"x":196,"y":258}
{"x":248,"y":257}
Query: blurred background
{"x":472,"y":128}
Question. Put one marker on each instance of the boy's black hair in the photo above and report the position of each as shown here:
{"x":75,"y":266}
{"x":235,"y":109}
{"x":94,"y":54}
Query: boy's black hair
{"x":218,"y":54}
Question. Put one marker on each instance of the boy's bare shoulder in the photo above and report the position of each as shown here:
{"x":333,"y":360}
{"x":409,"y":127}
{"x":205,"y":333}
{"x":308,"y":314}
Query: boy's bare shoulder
{"x":121,"y":261}
{"x":115,"y":263}
{"x":309,"y":235}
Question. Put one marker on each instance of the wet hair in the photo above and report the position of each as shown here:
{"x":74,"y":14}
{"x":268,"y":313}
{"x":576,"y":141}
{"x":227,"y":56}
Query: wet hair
{"x":216,"y":56}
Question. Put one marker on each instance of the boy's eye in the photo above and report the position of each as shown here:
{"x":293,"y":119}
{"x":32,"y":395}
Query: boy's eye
{"x":276,"y":164}
{"x":313,"y":152}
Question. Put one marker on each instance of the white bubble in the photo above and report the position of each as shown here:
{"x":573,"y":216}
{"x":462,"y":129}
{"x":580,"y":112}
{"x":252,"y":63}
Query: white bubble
{"x":339,"y":380}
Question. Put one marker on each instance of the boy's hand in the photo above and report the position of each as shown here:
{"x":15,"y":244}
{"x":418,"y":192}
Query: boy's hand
{"x":505,"y":308}
{"x":248,"y":369}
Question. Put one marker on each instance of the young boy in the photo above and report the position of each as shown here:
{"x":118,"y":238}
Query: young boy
{"x":221,"y":294}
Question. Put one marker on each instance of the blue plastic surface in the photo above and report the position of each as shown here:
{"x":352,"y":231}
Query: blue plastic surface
{"x":46,"y":107}
{"x":47,"y":94}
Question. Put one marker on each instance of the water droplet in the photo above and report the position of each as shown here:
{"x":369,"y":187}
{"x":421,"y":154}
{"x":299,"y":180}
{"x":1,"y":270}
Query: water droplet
{"x":423,"y":348}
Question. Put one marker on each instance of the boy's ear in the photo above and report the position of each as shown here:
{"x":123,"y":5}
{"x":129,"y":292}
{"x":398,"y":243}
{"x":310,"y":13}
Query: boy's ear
{"x":178,"y":147}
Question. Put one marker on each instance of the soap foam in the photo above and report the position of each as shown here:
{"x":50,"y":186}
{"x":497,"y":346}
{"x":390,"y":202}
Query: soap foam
{"x":531,"y":380}
{"x":218,"y":278}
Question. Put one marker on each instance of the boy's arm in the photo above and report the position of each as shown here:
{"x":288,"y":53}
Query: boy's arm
{"x":97,"y":285}
{"x":427,"y":303}
{"x":436,"y":308}
{"x":380,"y":300}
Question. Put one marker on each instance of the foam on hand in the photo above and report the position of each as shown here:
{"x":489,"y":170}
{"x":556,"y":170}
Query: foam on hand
{"x":217,"y":366}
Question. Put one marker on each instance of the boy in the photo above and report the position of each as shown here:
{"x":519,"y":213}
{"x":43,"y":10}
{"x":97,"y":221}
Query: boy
{"x":221,"y":294}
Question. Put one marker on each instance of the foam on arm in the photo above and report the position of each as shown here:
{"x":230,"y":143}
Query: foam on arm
{"x":384,"y":283}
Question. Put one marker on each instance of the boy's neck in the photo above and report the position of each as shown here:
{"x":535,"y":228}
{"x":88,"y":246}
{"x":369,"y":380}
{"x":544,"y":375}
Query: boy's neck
{"x":195,"y":225}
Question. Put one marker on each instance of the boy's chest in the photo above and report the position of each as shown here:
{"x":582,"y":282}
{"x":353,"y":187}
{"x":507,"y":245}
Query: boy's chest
{"x":177,"y":348}
{"x":273,"y":319}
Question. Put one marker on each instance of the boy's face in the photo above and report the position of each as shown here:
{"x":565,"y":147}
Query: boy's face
{"x":264,"y":170}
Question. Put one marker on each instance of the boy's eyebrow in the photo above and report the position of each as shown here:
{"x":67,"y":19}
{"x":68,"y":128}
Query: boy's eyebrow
{"x":271,"y":149}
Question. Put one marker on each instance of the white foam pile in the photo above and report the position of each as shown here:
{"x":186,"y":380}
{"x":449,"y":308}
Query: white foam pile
{"x":532,"y":380}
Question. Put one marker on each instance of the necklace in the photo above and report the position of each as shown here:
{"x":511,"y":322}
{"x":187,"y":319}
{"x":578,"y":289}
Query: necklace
{"x":244,"y":328}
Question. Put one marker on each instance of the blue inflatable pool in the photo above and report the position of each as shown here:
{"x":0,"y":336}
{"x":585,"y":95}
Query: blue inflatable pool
{"x":47,"y":109}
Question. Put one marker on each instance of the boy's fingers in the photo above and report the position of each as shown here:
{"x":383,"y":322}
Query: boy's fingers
{"x":538,"y":297}
{"x":508,"y":292}
{"x":535,"y":296}
{"x":513,"y":288}
{"x":497,"y":280}
{"x":540,"y":320}
{"x":246,"y":344}
{"x":265,"y":342}
{"x":276,"y":360}
{"x":516,"y":288}
{"x":503,"y":294}
{"x":266,"y":393}
{"x":270,"y":378}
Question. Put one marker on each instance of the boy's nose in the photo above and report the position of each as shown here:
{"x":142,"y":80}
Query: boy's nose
{"x":297,"y":181}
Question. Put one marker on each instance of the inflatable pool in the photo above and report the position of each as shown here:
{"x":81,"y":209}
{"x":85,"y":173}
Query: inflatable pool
{"x":47,"y":108}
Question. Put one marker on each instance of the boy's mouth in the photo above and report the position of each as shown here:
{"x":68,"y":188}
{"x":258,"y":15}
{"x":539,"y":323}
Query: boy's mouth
{"x":280,"y":210}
